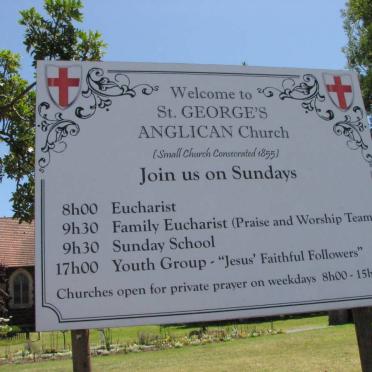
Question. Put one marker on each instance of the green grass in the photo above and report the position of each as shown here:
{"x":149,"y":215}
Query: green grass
{"x":55,"y":340}
{"x":329,"y":349}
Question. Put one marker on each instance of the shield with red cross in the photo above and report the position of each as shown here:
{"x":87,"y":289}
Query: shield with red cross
{"x":340,"y":89}
{"x":63,"y":83}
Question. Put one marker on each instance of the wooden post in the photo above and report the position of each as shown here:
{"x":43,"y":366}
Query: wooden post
{"x":80,"y":350}
{"x":363,"y":329}
{"x":337,"y":317}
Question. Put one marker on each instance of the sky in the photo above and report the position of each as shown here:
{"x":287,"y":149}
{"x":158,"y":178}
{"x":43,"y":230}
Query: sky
{"x":285,"y":33}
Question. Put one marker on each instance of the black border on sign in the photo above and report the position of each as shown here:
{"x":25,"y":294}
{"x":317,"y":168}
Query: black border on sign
{"x":269,"y":93}
{"x":165,"y":72}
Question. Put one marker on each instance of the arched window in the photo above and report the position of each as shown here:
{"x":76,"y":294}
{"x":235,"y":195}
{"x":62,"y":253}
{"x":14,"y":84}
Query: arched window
{"x":21,"y":288}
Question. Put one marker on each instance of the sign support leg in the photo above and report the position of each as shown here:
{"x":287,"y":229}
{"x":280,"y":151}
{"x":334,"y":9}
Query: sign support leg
{"x":80,"y":350}
{"x":363,"y":329}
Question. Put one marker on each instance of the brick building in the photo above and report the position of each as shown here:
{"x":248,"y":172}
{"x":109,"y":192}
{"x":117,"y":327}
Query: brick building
{"x":17,"y":253}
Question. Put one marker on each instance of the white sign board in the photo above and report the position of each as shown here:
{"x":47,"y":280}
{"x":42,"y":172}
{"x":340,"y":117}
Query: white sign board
{"x":178,"y":193}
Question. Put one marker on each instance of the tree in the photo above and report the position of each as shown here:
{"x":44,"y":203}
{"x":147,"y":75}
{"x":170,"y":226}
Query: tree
{"x":54,"y":37}
{"x":17,"y":102}
{"x":358,"y":27}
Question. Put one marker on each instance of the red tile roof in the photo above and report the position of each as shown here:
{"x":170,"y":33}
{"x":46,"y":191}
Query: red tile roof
{"x":17,"y":243}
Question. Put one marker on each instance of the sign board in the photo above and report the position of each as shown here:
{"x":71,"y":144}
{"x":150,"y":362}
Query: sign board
{"x":179,"y":193}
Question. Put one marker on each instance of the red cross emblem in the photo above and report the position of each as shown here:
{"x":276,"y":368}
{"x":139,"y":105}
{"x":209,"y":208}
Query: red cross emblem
{"x":340,"y":90}
{"x":63,"y":84}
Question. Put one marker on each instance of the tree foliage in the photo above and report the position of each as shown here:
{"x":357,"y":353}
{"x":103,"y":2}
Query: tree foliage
{"x":17,"y":116}
{"x":56,"y":37}
{"x":358,"y":27}
{"x":53,"y":37}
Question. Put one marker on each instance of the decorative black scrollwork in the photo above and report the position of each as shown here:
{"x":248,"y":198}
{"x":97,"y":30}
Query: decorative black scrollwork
{"x":101,"y":90}
{"x":57,"y":129}
{"x":352,"y":129}
{"x":306,"y":91}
